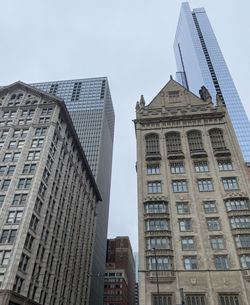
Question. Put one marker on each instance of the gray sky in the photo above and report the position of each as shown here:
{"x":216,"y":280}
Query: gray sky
{"x":130,"y":42}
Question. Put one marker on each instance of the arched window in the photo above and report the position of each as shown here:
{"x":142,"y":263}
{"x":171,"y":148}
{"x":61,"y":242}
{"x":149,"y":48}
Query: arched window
{"x":173,"y":141}
{"x":195,"y":140}
{"x":217,"y":140}
{"x":152,"y":144}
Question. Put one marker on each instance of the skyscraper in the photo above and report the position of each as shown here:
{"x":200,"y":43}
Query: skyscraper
{"x":48,"y":199}
{"x":90,"y":106}
{"x":193,"y":202}
{"x":200,"y":62}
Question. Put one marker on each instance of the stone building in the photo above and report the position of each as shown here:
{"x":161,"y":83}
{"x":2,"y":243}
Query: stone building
{"x":48,"y":199}
{"x":193,"y":202}
{"x":119,"y":282}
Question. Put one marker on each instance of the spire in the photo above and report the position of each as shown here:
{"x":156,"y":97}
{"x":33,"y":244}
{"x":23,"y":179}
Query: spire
{"x":142,"y":101}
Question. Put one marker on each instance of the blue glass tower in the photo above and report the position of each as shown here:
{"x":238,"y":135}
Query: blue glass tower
{"x":200,"y":62}
{"x":90,"y":106}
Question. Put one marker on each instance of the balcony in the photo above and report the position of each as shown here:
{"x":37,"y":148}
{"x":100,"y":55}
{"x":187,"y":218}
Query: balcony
{"x":164,"y":276}
{"x":198,"y":153}
{"x":222,"y":152}
{"x":173,"y":155}
{"x":153,"y":156}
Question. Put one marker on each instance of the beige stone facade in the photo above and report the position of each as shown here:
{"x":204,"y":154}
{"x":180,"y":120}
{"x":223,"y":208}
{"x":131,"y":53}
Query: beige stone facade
{"x":193,"y":202}
{"x":48,"y":199}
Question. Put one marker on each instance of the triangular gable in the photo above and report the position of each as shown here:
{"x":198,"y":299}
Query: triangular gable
{"x":174,"y":94}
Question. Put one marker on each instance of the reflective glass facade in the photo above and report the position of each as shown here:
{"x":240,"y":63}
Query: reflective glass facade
{"x":90,"y":106}
{"x":198,"y":55}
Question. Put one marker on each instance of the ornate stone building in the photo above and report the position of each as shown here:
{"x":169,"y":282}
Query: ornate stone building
{"x":193,"y":202}
{"x":48,"y":199}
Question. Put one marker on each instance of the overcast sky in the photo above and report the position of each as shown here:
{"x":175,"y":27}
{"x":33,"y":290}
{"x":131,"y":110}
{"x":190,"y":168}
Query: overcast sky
{"x":130,"y":42}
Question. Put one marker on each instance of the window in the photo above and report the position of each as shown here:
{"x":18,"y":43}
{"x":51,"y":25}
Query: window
{"x":38,"y":205}
{"x":240,"y":222}
{"x":11,"y":170}
{"x":237,"y":204}
{"x":37,"y":143}
{"x":160,"y":263}
{"x":217,"y":242}
{"x":177,"y":167}
{"x":19,"y":199}
{"x":154,"y":187}
{"x":229,"y":299}
{"x":159,"y":243}
{"x":2,"y":197}
{"x":200,"y":166}
{"x":225,"y":165}
{"x":4,"y":134}
{"x":173,"y":141}
{"x":153,"y":169}
{"x":23,"y":262}
{"x":162,"y":299}
{"x":46,"y":111}
{"x":195,"y":299}
{"x":2,"y":170}
{"x":12,"y":144}
{"x":33,"y":223}
{"x":24,"y":183}
{"x":194,"y":140}
{"x":18,"y":284}
{"x":185,"y":224}
{"x":209,"y":206}
{"x":5,"y":185}
{"x":242,"y":241}
{"x":221,"y":262}
{"x":14,"y":217}
{"x":33,"y":155}
{"x":152,"y":144}
{"x":205,"y":185}
{"x":29,"y":168}
{"x":230,"y":183}
{"x":8,"y":236}
{"x":41,"y":131}
{"x":217,"y":140}
{"x":182,"y":207}
{"x":190,"y":262}
{"x":7,"y":157}
{"x":4,"y":257}
{"x":11,"y":157}
{"x":179,"y":186}
{"x":156,"y":207}
{"x":245,"y":261}
{"x":157,"y":224}
{"x":213,"y":224}
{"x":187,"y":243}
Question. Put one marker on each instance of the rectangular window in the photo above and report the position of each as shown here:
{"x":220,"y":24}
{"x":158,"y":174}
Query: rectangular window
{"x":5,"y":185}
{"x":213,"y":224}
{"x":33,"y":155}
{"x":19,"y":199}
{"x":195,"y":299}
{"x":217,"y":242}
{"x":242,"y":241}
{"x":8,"y":236}
{"x":230,"y":183}
{"x":24,"y":183}
{"x":3,"y":170}
{"x":29,"y":168}
{"x":2,"y":197}
{"x":225,"y":165}
{"x":23,"y":262}
{"x":190,"y":262}
{"x":158,"y":243}
{"x":33,"y":223}
{"x":153,"y":169}
{"x":200,"y":166}
{"x":4,"y":257}
{"x":245,"y":261}
{"x":185,"y":224}
{"x":11,"y":170}
{"x":7,"y":157}
{"x":240,"y":222}
{"x":179,"y":186}
{"x":237,"y":204}
{"x":209,"y":206}
{"x":157,"y":224}
{"x":221,"y":262}
{"x":177,"y":167}
{"x":163,"y":263}
{"x":182,"y":208}
{"x":162,"y":299}
{"x":37,"y":143}
{"x":156,"y":207}
{"x":41,"y":131}
{"x":229,"y":299}
{"x":187,"y":243}
{"x":29,"y":242}
{"x":154,"y":187}
{"x":14,"y":217}
{"x":205,"y":185}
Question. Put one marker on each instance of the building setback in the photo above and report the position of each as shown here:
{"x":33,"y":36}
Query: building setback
{"x":200,"y":62}
{"x":48,"y":199}
{"x":90,"y":106}
{"x":193,"y":202}
{"x":119,"y":283}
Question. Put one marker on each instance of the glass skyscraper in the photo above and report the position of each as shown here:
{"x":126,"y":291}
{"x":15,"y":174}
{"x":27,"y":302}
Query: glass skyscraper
{"x":200,"y":62}
{"x":90,"y":106}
